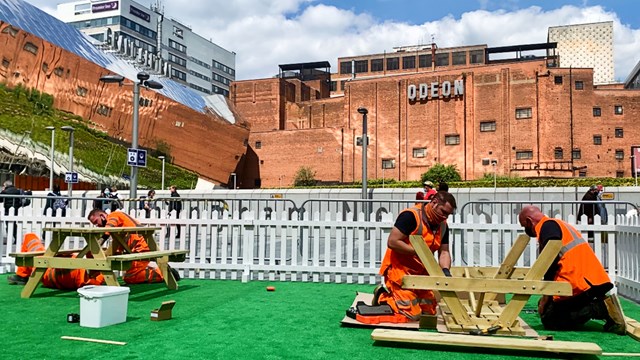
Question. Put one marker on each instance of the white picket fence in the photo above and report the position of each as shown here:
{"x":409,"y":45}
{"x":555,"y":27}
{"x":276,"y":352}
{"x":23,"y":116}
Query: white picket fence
{"x":328,"y":247}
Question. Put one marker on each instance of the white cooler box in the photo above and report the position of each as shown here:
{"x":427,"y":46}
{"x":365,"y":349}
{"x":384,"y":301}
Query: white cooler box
{"x":103,"y":305}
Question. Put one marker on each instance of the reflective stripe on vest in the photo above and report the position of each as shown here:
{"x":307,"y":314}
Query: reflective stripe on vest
{"x":575,"y":241}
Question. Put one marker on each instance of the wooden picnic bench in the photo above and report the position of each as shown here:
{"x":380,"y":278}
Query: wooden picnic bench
{"x":101,"y":259}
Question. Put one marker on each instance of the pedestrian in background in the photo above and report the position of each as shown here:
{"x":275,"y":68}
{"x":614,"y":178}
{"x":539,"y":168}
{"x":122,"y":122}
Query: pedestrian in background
{"x":175,"y":205}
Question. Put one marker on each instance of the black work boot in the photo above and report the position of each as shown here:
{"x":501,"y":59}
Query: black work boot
{"x":376,"y":294}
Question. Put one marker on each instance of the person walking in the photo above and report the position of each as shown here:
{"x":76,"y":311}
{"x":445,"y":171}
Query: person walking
{"x":175,"y":205}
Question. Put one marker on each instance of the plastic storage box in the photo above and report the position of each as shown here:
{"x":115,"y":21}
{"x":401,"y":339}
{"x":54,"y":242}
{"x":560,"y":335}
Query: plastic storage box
{"x":103,"y":305}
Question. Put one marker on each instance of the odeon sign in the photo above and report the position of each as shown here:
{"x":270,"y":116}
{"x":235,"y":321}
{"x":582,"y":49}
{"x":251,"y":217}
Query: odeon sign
{"x":435,"y":90}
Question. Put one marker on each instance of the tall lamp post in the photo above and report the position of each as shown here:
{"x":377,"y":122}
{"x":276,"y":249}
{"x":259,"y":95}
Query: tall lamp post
{"x":162,"y":158}
{"x":51,"y":155}
{"x":635,"y":169}
{"x":365,"y":143}
{"x":494,"y":163}
{"x":143,"y":79}
{"x":70,"y":130}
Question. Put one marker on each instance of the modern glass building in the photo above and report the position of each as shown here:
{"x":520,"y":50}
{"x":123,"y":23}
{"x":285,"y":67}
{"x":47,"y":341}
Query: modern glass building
{"x":162,"y":44}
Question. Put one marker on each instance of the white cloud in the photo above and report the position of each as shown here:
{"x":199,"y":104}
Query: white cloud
{"x":266,"y":33}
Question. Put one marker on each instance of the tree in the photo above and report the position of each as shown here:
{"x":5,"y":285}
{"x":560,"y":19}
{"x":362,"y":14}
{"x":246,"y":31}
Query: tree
{"x":442,"y":173}
{"x":305,"y":176}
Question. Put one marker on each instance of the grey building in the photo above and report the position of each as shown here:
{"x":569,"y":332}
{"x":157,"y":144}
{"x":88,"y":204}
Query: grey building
{"x":158,"y":43}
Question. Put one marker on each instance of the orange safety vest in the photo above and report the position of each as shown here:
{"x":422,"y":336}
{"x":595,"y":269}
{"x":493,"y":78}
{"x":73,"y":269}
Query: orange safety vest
{"x":135,"y":242}
{"x":411,"y":264}
{"x":578,"y":264}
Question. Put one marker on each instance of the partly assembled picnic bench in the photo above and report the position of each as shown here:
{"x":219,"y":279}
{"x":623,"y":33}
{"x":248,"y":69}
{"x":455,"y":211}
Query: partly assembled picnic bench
{"x":101,"y":259}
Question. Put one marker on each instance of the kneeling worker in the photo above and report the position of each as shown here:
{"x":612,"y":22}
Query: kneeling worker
{"x":578,"y":265}
{"x":65,"y":279}
{"x":430,"y":222}
{"x":140,"y":271}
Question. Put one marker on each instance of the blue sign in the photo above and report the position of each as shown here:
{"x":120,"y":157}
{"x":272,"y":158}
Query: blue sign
{"x":137,"y":157}
{"x":71,"y":177}
{"x":142,"y":158}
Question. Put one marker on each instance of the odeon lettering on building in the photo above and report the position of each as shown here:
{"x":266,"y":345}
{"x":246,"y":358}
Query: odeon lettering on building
{"x":434,"y":90}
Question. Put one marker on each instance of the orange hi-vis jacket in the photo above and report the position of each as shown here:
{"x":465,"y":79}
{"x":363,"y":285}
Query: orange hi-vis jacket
{"x":67,"y":279}
{"x":411,"y":264}
{"x":410,"y":303}
{"x":578,"y":264}
{"x":135,"y":242}
{"x":139,"y":272}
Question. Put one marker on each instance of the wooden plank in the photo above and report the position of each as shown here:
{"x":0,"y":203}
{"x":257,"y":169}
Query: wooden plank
{"x":110,"y":342}
{"x":430,"y":263}
{"x":71,"y":263}
{"x":487,"y":342}
{"x":633,"y":328}
{"x":147,"y":255}
{"x":503,"y":286}
{"x":479,"y":272}
{"x":539,"y":268}
{"x":508,"y":264}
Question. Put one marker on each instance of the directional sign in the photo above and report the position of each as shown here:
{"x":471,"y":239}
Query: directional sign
{"x":136,"y":157}
{"x":132,"y":157}
{"x":142,"y":158}
{"x":71,"y":177}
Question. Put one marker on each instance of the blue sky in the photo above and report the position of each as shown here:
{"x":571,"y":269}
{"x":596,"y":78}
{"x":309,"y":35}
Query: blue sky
{"x":265,"y":33}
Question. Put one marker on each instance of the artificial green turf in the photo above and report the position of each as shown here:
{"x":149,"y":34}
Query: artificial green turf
{"x":215,"y":319}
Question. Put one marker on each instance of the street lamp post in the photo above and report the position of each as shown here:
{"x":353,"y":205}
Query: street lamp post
{"x":494,"y":163}
{"x":70,"y":130}
{"x":635,"y":169}
{"x":365,"y":142}
{"x":162,"y":158}
{"x":143,"y":79}
{"x":51,"y":155}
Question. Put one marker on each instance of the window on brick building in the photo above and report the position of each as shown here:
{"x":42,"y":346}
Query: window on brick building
{"x":258,"y":145}
{"x":334,"y":86}
{"x":524,"y":155}
{"x":453,"y":139}
{"x":619,"y":173}
{"x":342,"y":84}
{"x":619,"y":133}
{"x":362,"y":66}
{"x":597,"y":139}
{"x":619,"y":154}
{"x":476,"y":57}
{"x":424,"y":60}
{"x":582,"y":173}
{"x":523,"y":113}
{"x":486,"y":126}
{"x":557,"y":80}
{"x":579,"y":85}
{"x":558,"y":153}
{"x":419,"y":152}
{"x":597,"y":111}
{"x":576,"y":154}
{"x":618,"y":110}
{"x":388,"y":163}
{"x":442,"y":59}
{"x":459,"y":58}
{"x":377,"y":65}
{"x":408,"y":62}
{"x":393,"y":63}
{"x":345,"y":67}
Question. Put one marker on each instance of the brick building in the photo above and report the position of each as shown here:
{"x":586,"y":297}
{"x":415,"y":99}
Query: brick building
{"x":455,"y":106}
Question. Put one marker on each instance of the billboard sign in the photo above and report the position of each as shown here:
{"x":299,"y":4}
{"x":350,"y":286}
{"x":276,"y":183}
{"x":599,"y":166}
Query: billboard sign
{"x":106,"y":6}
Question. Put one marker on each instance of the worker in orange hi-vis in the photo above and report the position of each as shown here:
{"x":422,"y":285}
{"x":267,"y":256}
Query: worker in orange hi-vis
{"x":141,"y":271}
{"x":65,"y":279}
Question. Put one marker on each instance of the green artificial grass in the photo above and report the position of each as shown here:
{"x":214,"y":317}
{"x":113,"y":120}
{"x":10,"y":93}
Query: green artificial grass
{"x":215,"y":319}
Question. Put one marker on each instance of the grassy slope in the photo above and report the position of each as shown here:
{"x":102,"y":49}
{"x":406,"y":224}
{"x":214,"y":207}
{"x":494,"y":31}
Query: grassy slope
{"x":91,"y":148}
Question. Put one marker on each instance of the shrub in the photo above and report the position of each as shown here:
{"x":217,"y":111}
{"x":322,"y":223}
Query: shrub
{"x":441,"y":173}
{"x":305,"y":176}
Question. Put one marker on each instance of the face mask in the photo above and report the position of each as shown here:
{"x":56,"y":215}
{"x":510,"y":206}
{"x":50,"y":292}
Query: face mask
{"x":104,"y":221}
{"x":433,"y":217}
{"x":530,"y":231}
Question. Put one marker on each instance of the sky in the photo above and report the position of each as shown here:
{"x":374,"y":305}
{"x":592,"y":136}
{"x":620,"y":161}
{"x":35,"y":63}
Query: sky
{"x":266,"y":33}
